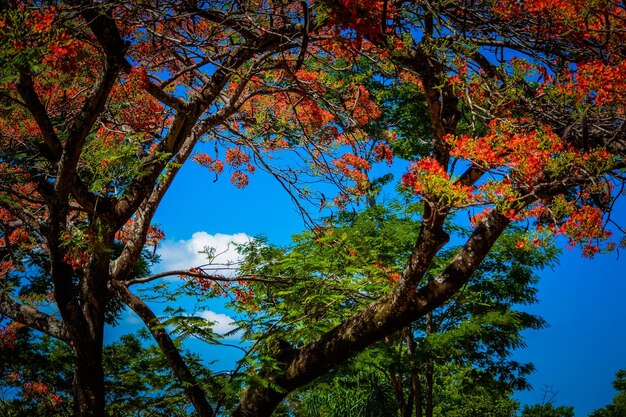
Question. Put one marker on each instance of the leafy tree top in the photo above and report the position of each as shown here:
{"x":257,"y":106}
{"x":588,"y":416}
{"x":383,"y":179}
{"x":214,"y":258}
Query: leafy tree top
{"x":522,"y":107}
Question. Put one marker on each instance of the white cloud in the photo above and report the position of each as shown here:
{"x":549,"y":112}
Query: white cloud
{"x":222,"y":323}
{"x":186,"y":254}
{"x":128,"y":316}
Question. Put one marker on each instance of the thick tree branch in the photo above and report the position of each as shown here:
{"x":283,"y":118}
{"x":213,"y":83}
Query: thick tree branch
{"x":165,"y":98}
{"x":168,"y":348}
{"x":104,"y":28}
{"x":25,"y":87}
{"x":183,"y":136}
{"x":205,"y":275}
{"x":227,"y":20}
{"x":124,"y":264}
{"x":442,"y":103}
{"x":378,"y":320}
{"x":34,"y":318}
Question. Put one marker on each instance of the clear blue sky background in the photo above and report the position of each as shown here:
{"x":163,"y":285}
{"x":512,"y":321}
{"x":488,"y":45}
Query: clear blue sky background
{"x":583,"y":300}
{"x":578,"y":355}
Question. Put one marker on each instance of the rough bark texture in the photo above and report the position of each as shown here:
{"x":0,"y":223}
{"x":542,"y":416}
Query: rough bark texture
{"x":89,"y":382}
{"x":169,"y":349}
{"x":34,"y":318}
{"x":81,"y":300}
{"x":378,"y":320}
{"x":416,"y":388}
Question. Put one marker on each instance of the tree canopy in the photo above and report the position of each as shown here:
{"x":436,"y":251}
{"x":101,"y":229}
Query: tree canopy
{"x":618,"y":406}
{"x":510,"y":113}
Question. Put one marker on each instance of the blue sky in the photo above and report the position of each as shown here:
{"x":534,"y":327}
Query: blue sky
{"x":578,"y":355}
{"x":582,"y":300}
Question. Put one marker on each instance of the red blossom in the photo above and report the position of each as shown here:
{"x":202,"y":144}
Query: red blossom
{"x":214,"y":165}
{"x":217,"y":167}
{"x":8,"y":335}
{"x":382,"y":152}
{"x":76,"y":258}
{"x":362,"y":16}
{"x":352,"y":166}
{"x":236,"y":157}
{"x":203,"y":159}
{"x":428,"y":178}
{"x":39,"y":391}
{"x":154,"y":236}
{"x":239,"y":179}
{"x":585,"y":226}
{"x":244,"y":296}
{"x":479,"y":217}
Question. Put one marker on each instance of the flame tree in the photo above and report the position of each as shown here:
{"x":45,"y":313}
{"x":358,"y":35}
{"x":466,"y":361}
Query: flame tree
{"x":102,"y":103}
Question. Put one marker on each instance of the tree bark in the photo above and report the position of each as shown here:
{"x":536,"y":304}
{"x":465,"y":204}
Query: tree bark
{"x":34,"y":318}
{"x":417,"y":394}
{"x":430,"y":369}
{"x":416,"y":388}
{"x":89,"y":383}
{"x":176,"y":362}
{"x":383,"y":317}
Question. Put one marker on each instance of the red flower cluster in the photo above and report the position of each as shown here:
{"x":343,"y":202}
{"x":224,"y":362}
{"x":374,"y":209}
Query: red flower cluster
{"x":39,"y":391}
{"x":352,"y":166}
{"x":363,"y":16}
{"x":382,"y":152}
{"x":154,"y":236}
{"x":239,"y":179}
{"x":76,"y":258}
{"x":244,"y":296}
{"x":236,"y":157}
{"x":364,"y":109}
{"x":585,"y":226}
{"x":524,"y":150}
{"x":8,"y":335}
{"x":206,"y":161}
{"x":428,"y":178}
{"x":603,"y":83}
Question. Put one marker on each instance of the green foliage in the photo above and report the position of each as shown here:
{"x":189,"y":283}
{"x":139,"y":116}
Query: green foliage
{"x":547,"y":410}
{"x":618,"y":407}
{"x":22,"y":46}
{"x":403,"y":109}
{"x":185,"y":326}
{"x":40,"y":360}
{"x":468,"y":392}
{"x":138,"y":380}
{"x":403,"y":106}
{"x":111,"y":165}
{"x":331,"y":273}
{"x":327,"y":274}
{"x":349,"y":392}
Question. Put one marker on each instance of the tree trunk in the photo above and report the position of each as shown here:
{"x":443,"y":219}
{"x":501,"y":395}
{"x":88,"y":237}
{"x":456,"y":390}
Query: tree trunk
{"x":416,"y":388}
{"x":398,"y":390}
{"x":89,"y":384}
{"x":429,"y":388}
{"x":85,"y":333}
{"x":417,"y":394}
{"x":407,"y":406}
{"x":257,"y":403}
{"x":430,"y":367}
